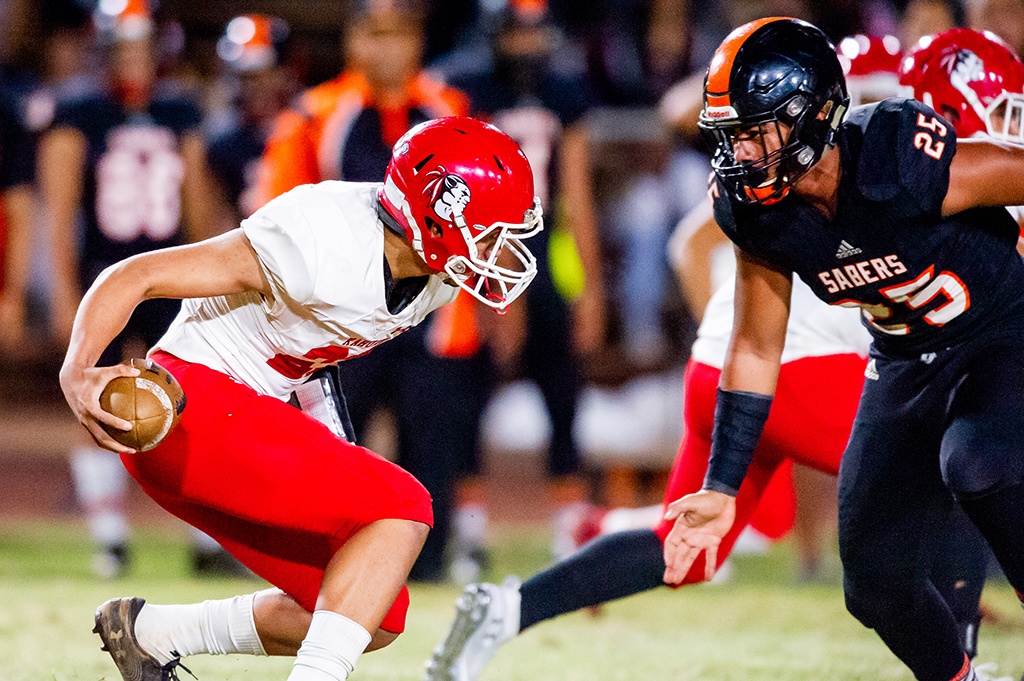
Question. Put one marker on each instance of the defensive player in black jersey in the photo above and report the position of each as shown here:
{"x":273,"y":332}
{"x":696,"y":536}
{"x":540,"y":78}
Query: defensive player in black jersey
{"x":127,"y":157}
{"x":886,"y":210}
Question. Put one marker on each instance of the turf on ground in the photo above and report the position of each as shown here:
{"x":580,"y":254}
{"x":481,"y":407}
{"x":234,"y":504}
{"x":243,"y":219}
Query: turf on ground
{"x":759,"y":626}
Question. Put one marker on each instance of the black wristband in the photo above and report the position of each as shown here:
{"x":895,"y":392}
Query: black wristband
{"x":739,"y":420}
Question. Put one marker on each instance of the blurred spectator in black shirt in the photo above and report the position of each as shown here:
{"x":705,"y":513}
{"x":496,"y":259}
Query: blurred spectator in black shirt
{"x":519,"y":89}
{"x":122,"y":171}
{"x":636,"y":49}
{"x":251,"y":52}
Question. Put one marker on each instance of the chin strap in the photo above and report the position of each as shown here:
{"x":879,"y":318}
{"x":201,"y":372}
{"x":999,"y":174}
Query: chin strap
{"x":385,"y":217}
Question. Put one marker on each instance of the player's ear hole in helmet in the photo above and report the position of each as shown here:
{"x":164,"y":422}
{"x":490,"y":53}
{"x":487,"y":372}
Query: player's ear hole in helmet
{"x":775,"y":85}
{"x":461,"y":191}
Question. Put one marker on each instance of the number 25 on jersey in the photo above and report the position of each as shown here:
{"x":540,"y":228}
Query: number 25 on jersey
{"x":925,"y":141}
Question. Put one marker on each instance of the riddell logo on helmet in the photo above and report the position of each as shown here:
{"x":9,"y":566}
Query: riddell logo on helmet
{"x":450,"y":193}
{"x":717,"y":112}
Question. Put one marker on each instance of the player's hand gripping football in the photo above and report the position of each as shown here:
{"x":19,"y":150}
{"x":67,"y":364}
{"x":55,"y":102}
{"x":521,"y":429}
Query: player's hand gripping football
{"x":82,"y":389}
{"x":701,"y":521}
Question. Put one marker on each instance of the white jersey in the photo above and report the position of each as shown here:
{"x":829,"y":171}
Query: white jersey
{"x":815,"y":329}
{"x":321,"y":248}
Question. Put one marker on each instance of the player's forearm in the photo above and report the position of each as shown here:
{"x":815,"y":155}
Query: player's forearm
{"x":18,"y":212}
{"x":103,"y":313}
{"x":695,"y":282}
{"x":690,"y":252}
{"x":753,"y":370}
{"x":578,"y":194}
{"x":197,"y":197}
{"x":743,"y":401}
{"x":61,"y":161}
{"x":984,"y":173}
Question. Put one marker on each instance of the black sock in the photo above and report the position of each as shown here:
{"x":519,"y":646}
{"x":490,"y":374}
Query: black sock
{"x":610,"y":567}
{"x":998,"y":516}
{"x":959,"y":575}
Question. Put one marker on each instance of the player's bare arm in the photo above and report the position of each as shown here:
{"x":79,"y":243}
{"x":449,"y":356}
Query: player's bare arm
{"x":219,"y":266}
{"x":197,"y":199}
{"x":62,"y":155}
{"x":759,"y":332}
{"x":751,"y":367}
{"x":17,"y":209}
{"x":690,"y":249}
{"x":589,"y":311}
{"x":984,"y":173}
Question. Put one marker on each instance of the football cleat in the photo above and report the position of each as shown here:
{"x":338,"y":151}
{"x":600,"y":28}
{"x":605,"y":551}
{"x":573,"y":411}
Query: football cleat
{"x":115,"y":624}
{"x":486,"y":616}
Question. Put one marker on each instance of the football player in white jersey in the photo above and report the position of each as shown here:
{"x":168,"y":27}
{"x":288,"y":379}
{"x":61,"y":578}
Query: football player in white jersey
{"x":320,"y":274}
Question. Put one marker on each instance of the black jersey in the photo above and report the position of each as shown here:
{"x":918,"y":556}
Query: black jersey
{"x":233,"y":156}
{"x":536,"y":122}
{"x":133,"y":177}
{"x":923,"y":281}
{"x":17,"y":152}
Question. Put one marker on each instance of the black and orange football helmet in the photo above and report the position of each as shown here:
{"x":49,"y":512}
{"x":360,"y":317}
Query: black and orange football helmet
{"x":777,"y":75}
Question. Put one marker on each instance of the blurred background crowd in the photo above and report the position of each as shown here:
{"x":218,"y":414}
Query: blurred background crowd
{"x":126,"y":126}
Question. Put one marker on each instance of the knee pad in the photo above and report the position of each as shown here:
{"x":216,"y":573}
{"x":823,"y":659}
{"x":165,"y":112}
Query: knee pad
{"x":970,"y":474}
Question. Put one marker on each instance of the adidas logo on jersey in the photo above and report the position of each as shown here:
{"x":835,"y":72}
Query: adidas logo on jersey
{"x":846,"y":250}
{"x":871,"y":371}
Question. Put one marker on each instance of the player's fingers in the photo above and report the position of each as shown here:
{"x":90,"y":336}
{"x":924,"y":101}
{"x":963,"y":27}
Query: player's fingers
{"x":671,"y":550}
{"x":710,"y":561}
{"x":106,"y":417}
{"x":672,"y":574}
{"x":104,"y":440}
{"x":676,"y":508}
{"x":127,"y":369}
{"x":684,"y":561}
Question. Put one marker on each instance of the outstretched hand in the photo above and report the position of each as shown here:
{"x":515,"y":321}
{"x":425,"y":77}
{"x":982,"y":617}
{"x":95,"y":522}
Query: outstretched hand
{"x":701,"y":520}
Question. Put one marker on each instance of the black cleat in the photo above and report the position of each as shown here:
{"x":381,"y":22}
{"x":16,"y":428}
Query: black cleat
{"x":115,"y":623}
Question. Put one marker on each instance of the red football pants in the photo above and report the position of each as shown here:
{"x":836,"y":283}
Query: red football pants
{"x":810,"y":421}
{"x":274,"y":486}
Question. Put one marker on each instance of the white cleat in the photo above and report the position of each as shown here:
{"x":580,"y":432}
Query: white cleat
{"x":486,"y":616}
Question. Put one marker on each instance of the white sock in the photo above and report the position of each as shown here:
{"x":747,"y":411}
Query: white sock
{"x":470,"y":524}
{"x":330,"y":649}
{"x":622,"y":519}
{"x":212,"y":627}
{"x":100,"y":481}
{"x":564,"y":522}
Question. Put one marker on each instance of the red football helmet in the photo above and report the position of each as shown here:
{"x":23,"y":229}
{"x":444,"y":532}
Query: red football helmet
{"x":972,"y":78}
{"x":463,"y":192}
{"x":870,"y":64}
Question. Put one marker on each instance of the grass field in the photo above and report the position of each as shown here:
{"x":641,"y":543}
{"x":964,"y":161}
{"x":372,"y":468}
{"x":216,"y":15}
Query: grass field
{"x":758,"y":626}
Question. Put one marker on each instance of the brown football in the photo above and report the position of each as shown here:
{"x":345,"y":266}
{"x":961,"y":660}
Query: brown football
{"x":153,"y":401}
